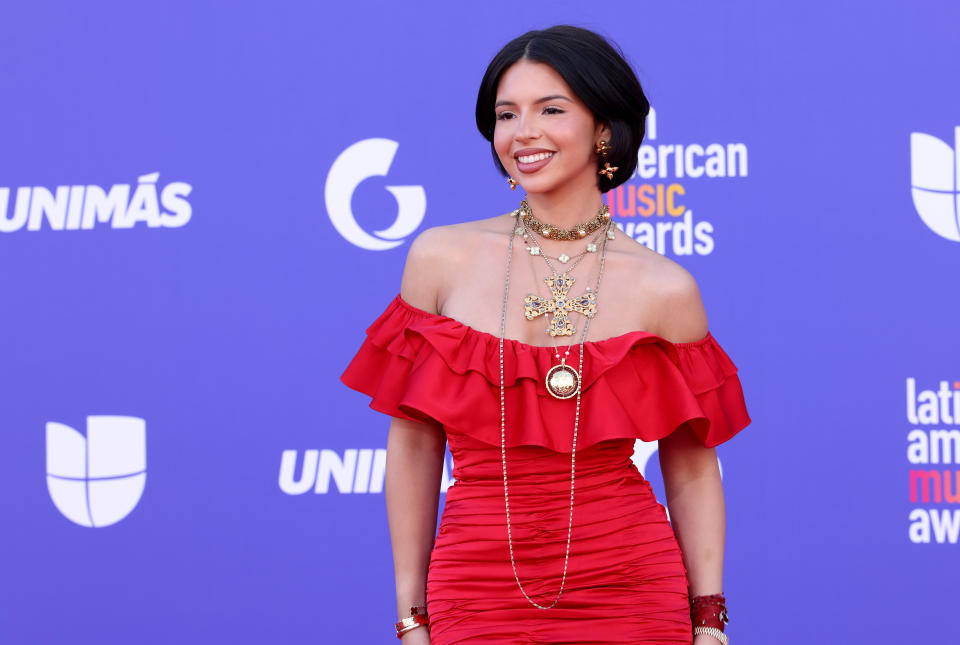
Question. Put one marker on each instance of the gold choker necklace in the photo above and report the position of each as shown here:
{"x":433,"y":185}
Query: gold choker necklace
{"x":578,"y":232}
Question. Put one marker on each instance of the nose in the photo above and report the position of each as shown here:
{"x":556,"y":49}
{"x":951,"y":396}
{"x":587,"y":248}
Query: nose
{"x":526,"y":129}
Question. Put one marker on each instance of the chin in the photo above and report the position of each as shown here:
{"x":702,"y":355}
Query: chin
{"x":539,"y":183}
{"x":540,"y":186}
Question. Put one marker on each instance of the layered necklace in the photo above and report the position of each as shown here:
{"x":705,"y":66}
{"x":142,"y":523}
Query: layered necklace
{"x":562,"y":381}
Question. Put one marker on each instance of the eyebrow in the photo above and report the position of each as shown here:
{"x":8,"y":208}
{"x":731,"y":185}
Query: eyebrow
{"x":552,"y":97}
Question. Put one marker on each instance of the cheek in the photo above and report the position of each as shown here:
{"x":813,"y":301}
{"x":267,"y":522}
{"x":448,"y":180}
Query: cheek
{"x":501,"y":143}
{"x":577,"y":141}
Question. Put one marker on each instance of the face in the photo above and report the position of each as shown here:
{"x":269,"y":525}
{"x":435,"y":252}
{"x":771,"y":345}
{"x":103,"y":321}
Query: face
{"x":544,"y":135}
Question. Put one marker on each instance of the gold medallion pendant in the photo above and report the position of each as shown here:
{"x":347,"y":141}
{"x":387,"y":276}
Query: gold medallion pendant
{"x":563,"y":381}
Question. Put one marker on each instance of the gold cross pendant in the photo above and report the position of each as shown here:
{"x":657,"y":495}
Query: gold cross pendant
{"x":559,"y":304}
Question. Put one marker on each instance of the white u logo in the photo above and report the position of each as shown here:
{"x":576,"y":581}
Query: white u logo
{"x":98,"y":479}
{"x":935,"y":179}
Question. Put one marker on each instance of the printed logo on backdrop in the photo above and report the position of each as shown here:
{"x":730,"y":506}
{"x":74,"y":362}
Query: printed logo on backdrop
{"x":654,"y":206}
{"x":355,"y":471}
{"x":361,"y":161}
{"x":363,"y":470}
{"x":933,"y":455}
{"x":97,"y":480}
{"x":935,"y":182}
{"x":83,"y":208}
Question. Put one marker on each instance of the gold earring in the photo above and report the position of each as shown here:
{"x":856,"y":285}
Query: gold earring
{"x":512,"y":182}
{"x":608,"y":170}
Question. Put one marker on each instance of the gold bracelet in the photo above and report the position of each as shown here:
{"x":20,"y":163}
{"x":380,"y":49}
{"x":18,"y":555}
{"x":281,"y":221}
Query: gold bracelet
{"x":403,"y":631}
{"x":712,"y":631}
{"x":410,"y":623}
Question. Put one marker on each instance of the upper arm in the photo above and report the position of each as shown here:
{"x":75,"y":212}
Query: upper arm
{"x":683,"y":318}
{"x":423,"y":275}
{"x":426,"y":438}
{"x":683,"y":456}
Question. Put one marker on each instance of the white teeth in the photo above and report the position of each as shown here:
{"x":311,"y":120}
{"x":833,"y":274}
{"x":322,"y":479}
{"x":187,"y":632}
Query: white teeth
{"x":537,"y":157}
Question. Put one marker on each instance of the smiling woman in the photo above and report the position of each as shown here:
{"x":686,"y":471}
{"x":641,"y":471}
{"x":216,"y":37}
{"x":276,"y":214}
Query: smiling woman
{"x":597,"y":85}
{"x":544,"y":138}
{"x":550,"y":533}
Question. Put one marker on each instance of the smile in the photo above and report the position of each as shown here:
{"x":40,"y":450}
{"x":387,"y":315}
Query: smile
{"x":534,"y":158}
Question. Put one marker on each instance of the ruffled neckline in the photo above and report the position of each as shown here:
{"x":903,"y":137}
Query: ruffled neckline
{"x":435,"y":369}
{"x":618,"y":339}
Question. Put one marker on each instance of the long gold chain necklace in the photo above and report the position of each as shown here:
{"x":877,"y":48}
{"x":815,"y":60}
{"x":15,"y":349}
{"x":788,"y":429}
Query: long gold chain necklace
{"x":576,"y":426}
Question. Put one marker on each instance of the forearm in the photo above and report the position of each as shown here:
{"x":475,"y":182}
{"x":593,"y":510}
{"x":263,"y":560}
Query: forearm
{"x":691,"y":477}
{"x":412,"y":486}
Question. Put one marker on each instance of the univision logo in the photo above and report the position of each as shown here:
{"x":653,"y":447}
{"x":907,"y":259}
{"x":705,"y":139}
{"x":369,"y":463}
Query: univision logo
{"x":97,"y":480}
{"x":361,"y":161}
{"x":935,"y":179}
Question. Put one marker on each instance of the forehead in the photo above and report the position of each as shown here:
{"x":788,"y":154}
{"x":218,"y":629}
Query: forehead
{"x":527,"y":79}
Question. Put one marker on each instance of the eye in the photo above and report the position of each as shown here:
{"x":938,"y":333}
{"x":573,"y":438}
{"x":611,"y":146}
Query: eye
{"x":503,"y":116}
{"x":550,"y":109}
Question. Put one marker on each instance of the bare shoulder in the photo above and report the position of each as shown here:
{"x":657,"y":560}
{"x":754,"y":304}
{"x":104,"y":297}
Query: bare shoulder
{"x":674,"y":294}
{"x":442,"y":251}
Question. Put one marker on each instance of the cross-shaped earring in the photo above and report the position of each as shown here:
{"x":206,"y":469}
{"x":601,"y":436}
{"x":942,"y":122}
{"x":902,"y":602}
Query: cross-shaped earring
{"x":608,"y":170}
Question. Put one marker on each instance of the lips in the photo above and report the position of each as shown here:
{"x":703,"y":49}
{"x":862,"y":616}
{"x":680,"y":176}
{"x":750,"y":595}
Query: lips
{"x":532,"y":160}
{"x":535,"y":157}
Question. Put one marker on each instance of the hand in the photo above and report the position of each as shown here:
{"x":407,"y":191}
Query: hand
{"x":705,"y":639}
{"x":421,"y":636}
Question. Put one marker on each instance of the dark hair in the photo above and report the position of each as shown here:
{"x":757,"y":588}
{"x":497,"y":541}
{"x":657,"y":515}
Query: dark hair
{"x":596,"y":72}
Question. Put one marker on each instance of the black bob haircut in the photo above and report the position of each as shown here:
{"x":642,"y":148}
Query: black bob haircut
{"x":596,"y":72}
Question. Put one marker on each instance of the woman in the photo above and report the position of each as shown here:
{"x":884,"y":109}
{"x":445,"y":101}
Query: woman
{"x":518,"y":340}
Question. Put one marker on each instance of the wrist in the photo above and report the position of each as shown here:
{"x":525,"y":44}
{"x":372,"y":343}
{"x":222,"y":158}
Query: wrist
{"x":708,"y":615}
{"x":418,"y":618}
{"x":709,"y":611}
{"x":709,"y":636}
{"x":409,"y":598}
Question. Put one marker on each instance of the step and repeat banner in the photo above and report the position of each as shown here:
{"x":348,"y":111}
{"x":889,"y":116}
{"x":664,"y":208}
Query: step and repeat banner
{"x":204,"y":205}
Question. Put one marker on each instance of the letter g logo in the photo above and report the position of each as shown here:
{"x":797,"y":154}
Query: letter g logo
{"x":362,"y":160}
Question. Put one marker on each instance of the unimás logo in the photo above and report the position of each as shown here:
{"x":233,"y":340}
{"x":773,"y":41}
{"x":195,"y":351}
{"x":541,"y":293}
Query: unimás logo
{"x":935,"y":182}
{"x":933,"y":455}
{"x":97,"y":480}
{"x":361,"y":161}
{"x":81,"y":208}
{"x":355,"y":471}
{"x":363,"y":470}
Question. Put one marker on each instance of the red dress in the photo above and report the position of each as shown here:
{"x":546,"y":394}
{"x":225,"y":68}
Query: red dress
{"x":625,"y":582}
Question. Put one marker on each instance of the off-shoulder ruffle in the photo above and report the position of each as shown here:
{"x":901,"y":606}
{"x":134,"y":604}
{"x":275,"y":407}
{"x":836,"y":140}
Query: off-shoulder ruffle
{"x":434,"y":369}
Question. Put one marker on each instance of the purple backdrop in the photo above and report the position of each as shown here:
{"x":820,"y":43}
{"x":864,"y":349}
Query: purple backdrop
{"x":189,"y":190}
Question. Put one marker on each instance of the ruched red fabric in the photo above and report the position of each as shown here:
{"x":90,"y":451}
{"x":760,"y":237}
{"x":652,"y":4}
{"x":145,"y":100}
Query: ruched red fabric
{"x":626,"y":582}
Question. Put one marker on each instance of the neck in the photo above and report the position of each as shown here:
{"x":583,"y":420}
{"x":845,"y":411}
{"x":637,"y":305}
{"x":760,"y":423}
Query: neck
{"x":565,"y":208}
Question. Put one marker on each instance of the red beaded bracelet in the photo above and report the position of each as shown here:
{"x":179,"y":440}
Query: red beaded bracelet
{"x":709,"y":611}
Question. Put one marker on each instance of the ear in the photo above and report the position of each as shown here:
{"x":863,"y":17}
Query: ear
{"x":602,"y":131}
